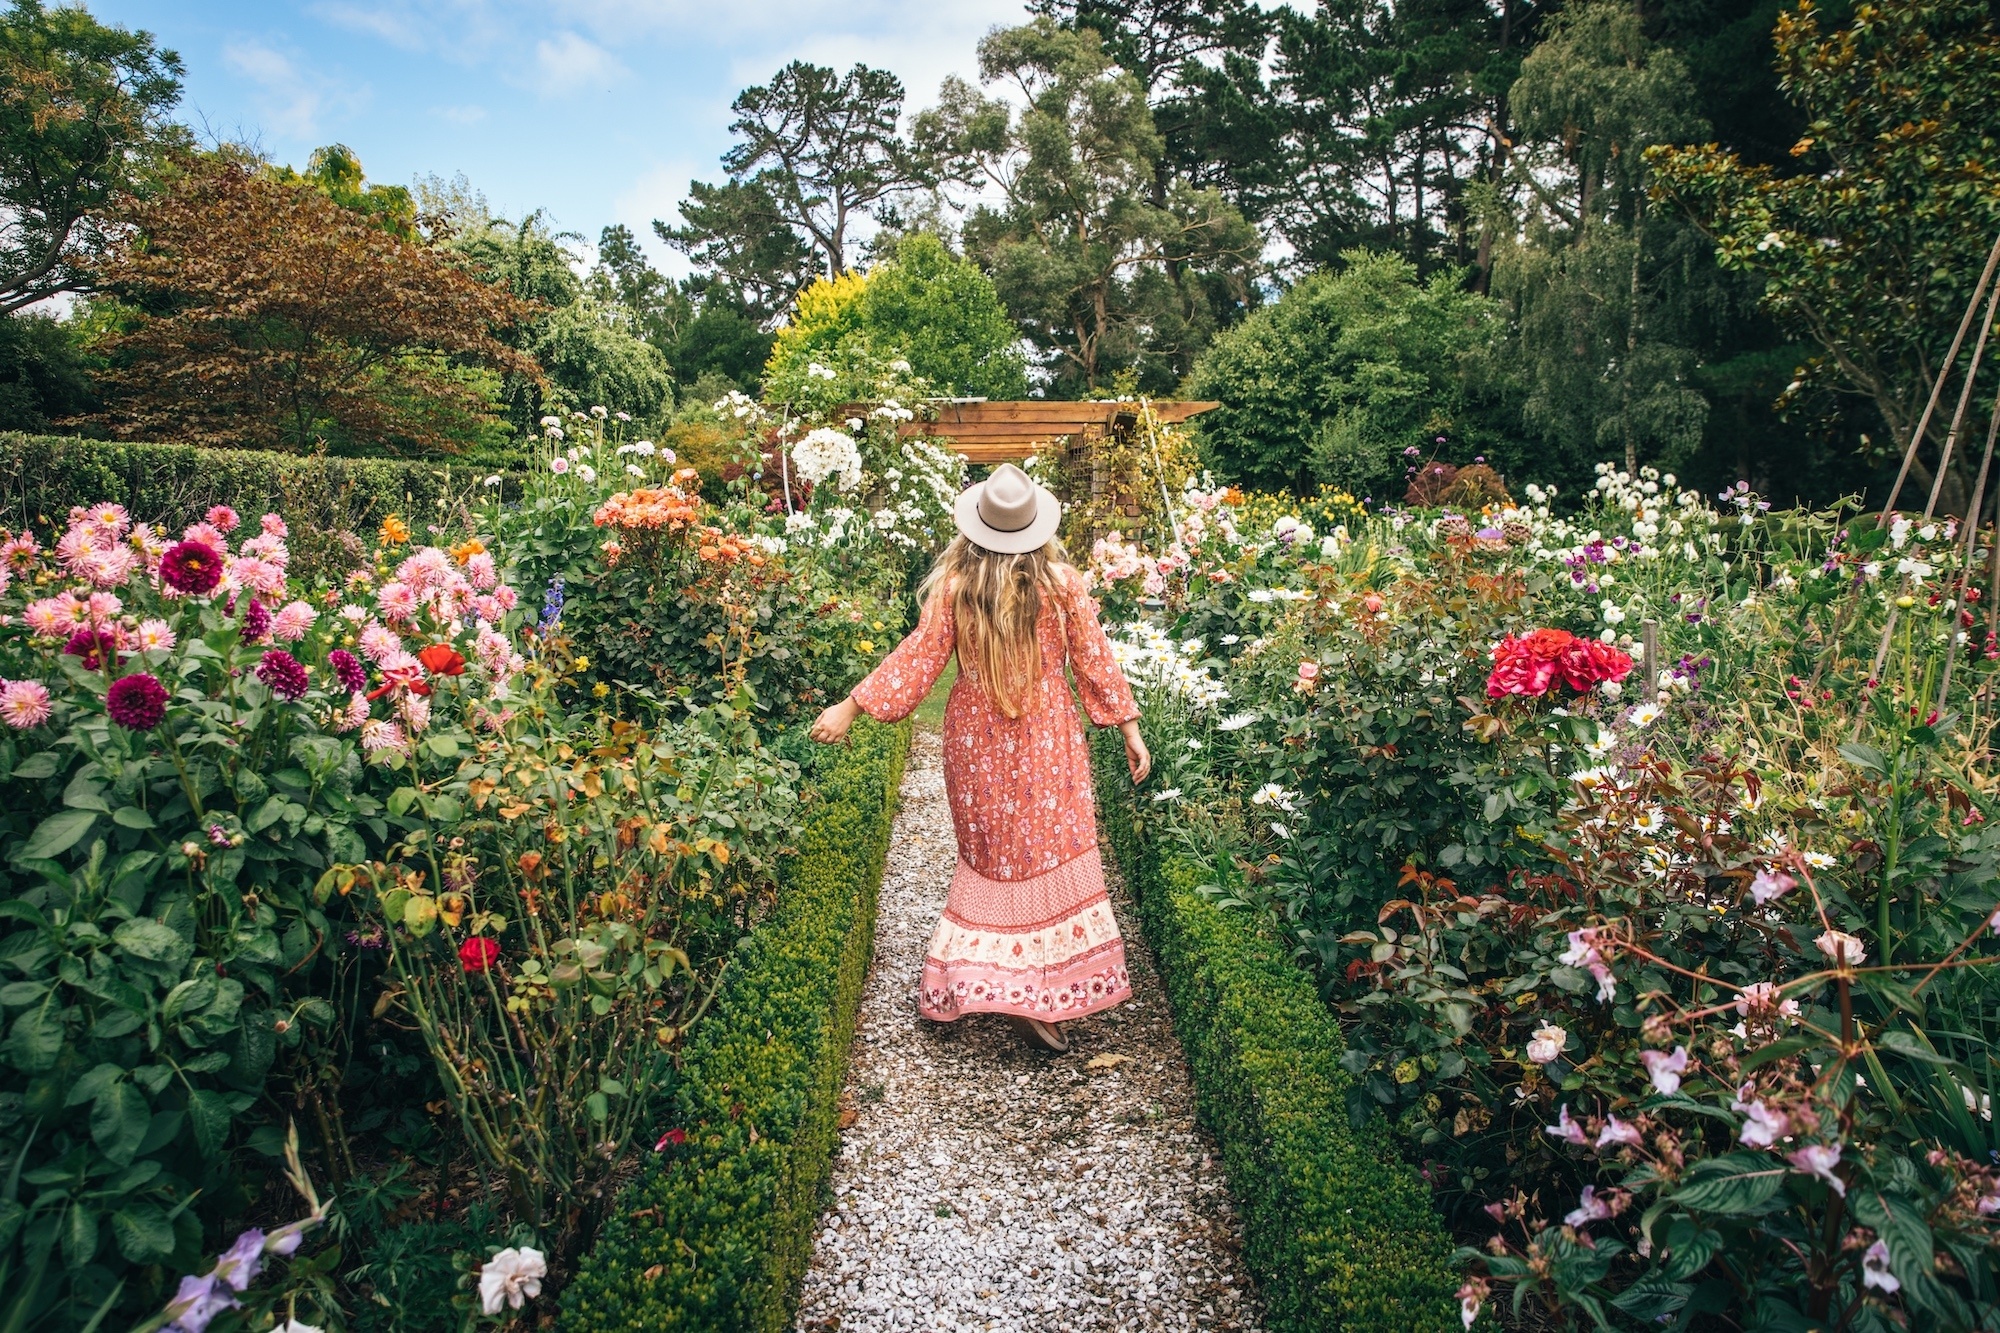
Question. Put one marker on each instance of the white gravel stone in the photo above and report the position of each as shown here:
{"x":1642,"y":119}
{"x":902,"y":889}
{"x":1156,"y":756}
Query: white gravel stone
{"x":982,"y":1185}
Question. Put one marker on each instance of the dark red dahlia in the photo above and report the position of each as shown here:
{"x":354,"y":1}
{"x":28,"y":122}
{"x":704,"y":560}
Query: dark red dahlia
{"x":285,"y":674}
{"x":256,"y":621}
{"x":191,"y":567}
{"x":94,"y":646}
{"x":137,"y":702}
{"x":347,"y":669}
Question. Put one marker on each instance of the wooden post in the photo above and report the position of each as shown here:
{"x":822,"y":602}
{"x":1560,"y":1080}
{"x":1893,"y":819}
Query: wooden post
{"x":1649,"y":655}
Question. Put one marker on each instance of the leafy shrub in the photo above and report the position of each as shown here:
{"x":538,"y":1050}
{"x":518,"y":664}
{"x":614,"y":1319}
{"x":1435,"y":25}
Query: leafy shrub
{"x":718,"y":1231}
{"x":332,"y":503}
{"x":1704,"y":950}
{"x":1337,"y":1233}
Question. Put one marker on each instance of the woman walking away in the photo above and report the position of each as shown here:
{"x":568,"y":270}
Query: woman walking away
{"x":1027,"y":928}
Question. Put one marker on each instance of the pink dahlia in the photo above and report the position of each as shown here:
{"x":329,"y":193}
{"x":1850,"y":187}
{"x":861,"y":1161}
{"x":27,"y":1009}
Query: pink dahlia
{"x":137,"y":702}
{"x":24,"y":703}
{"x":223,"y":518}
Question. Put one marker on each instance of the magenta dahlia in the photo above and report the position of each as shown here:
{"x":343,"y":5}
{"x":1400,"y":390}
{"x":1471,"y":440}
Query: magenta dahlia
{"x":256,"y":621}
{"x":137,"y":702}
{"x":94,"y":646}
{"x":283,"y":673}
{"x":347,"y":669}
{"x":194,"y":568}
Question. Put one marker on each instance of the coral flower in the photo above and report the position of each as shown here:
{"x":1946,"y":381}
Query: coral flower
{"x":441,"y":659}
{"x":478,"y":953}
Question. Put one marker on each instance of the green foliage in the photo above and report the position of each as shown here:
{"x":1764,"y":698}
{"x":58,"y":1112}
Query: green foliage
{"x":336,"y":172}
{"x":83,"y":119}
{"x":1101,"y":275}
{"x":1870,"y":253}
{"x":1339,"y":376}
{"x":44,"y":375}
{"x":718,"y":1231}
{"x":921,"y":302}
{"x":332,"y":502}
{"x":1337,"y":1232}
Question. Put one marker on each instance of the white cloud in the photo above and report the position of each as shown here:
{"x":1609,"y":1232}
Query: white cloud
{"x":398,"y":27}
{"x":657,"y":193}
{"x":461,"y":115}
{"x":291,"y":101}
{"x":570,"y":59}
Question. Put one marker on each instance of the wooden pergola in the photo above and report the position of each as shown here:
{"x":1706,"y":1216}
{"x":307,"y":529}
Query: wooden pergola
{"x":989,"y":431}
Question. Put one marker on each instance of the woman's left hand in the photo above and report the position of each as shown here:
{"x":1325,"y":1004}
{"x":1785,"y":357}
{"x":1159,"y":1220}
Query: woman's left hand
{"x":1137,"y":757}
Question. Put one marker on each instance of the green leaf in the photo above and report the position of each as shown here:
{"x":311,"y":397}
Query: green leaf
{"x":57,"y":834}
{"x":23,"y":992}
{"x":443,"y":746}
{"x":118,"y":1120}
{"x":145,"y":938}
{"x":1690,"y":1248}
{"x":1727,"y":1187}
{"x":131,"y":816}
{"x":37,"y":767}
{"x":36,"y":1041}
{"x":208,"y":1117}
{"x":143,"y":1233}
{"x":401,"y":799}
{"x":1864,"y":756}
{"x":265,"y":815}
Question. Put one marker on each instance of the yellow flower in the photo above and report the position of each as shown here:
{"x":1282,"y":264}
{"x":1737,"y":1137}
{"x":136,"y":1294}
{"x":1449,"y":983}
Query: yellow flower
{"x":866,"y":645}
{"x":394,"y":530}
{"x":876,"y":625}
{"x":580,"y":664}
{"x":600,"y":689}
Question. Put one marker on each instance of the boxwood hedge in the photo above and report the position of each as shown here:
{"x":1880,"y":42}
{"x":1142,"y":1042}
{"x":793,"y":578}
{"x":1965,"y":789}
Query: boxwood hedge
{"x":717,"y":1231}
{"x":1338,"y":1231}
{"x":42,"y":476}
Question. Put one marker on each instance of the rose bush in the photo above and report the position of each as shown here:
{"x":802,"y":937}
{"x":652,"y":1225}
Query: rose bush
{"x":1677,"y":983}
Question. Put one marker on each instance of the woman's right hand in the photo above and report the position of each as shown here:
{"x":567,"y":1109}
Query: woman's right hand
{"x":831,"y":726}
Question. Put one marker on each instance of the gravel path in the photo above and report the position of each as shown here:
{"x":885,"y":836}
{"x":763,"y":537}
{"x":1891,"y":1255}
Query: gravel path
{"x":983,"y":1185}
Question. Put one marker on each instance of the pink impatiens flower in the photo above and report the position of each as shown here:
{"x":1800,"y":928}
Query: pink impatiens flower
{"x":1844,"y":949}
{"x":1763,"y":1124}
{"x":1589,"y":1208}
{"x":1617,"y":1133}
{"x":1770,"y":885}
{"x":1875,"y":1269}
{"x":1819,"y":1159}
{"x":1665,"y":1070}
{"x":1567,"y":1129}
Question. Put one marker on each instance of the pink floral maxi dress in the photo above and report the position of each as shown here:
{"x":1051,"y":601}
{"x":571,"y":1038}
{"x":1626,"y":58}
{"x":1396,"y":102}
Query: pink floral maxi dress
{"x":1027,"y":927}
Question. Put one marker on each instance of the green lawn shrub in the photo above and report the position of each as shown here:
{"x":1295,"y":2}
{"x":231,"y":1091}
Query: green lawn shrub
{"x":716,"y":1233}
{"x":1338,"y":1231}
{"x":325,"y":500}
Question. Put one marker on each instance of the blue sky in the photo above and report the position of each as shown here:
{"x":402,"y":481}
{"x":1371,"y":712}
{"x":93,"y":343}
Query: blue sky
{"x":599,"y":111}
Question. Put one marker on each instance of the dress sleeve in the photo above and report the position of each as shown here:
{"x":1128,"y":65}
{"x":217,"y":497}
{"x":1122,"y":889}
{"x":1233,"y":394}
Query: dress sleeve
{"x":1106,"y":696}
{"x":904,"y":678}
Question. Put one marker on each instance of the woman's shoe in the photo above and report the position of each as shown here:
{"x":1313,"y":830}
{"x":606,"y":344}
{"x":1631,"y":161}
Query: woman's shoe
{"x":1045,"y":1035}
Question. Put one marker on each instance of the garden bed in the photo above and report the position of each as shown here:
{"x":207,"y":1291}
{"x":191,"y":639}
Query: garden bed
{"x":1338,"y":1232}
{"x":717,"y":1232}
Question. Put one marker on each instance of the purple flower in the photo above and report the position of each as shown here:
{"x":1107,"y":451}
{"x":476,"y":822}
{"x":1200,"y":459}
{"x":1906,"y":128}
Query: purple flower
{"x":1617,"y":1132}
{"x":197,"y":1302}
{"x":192,"y":567}
{"x":241,"y":1262}
{"x":94,"y":646}
{"x":347,"y":669}
{"x":1763,"y":1125}
{"x":1771,"y":884}
{"x":256,"y":621}
{"x":218,"y":835}
{"x":283,"y":673}
{"x":137,"y":702}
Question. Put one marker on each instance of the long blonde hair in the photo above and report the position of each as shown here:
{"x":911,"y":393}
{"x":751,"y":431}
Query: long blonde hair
{"x":996,"y":600}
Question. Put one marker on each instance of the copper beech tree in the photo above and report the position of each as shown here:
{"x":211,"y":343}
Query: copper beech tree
{"x":260,"y":313}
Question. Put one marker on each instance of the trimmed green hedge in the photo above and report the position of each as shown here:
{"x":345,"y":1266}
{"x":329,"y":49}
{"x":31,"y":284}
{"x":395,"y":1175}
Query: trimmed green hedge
{"x":42,"y":476}
{"x":717,"y":1233}
{"x":1338,"y":1231}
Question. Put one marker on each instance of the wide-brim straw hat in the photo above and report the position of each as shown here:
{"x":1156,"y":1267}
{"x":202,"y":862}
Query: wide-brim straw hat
{"x":1008,"y":513}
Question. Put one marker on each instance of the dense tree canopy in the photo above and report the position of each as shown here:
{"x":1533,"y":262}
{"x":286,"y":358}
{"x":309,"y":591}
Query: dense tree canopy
{"x":83,"y":110}
{"x":258,"y":312}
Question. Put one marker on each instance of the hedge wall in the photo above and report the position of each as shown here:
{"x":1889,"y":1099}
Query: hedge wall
{"x":1338,"y":1231}
{"x":717,"y":1232}
{"x":42,"y":476}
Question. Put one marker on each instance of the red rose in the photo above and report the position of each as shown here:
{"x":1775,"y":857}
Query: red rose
{"x":478,"y":953}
